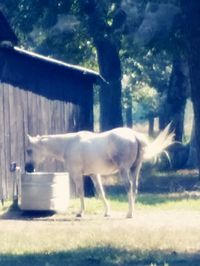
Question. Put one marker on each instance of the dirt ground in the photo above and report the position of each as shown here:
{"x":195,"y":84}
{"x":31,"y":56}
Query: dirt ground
{"x":152,"y":237}
{"x":166,"y":230}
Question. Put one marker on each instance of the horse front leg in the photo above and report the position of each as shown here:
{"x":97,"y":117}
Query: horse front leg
{"x":78,"y":180}
{"x":100,"y":191}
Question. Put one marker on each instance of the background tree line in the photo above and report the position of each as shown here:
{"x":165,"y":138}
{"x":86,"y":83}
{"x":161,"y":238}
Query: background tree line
{"x":147,"y":51}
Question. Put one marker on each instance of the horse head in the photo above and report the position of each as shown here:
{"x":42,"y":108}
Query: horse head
{"x":34,"y":153}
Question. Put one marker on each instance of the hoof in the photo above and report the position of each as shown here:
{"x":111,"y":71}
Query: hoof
{"x":107,"y":215}
{"x":79,"y":215}
{"x":129,"y":216}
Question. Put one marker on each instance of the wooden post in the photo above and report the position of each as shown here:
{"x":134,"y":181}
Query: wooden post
{"x":16,"y":176}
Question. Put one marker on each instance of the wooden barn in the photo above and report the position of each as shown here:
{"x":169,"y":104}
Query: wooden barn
{"x":38,"y":95}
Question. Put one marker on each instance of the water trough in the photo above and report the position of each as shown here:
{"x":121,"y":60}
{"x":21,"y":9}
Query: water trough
{"x":44,"y":191}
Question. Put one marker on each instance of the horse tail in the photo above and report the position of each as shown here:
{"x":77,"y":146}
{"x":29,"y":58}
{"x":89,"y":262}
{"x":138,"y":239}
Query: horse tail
{"x":158,"y":146}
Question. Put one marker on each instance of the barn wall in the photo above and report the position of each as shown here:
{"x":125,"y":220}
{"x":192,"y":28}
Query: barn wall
{"x":52,"y":81}
{"x":23,"y":112}
{"x":36,"y":98}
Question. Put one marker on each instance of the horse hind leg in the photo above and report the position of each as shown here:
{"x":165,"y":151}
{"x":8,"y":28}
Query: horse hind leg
{"x":134,"y":176}
{"x":135,"y":171}
{"x":100,"y":191}
{"x":125,"y":176}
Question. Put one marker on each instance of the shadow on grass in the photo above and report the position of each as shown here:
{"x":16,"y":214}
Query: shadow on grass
{"x":14,"y":213}
{"x":118,"y":193}
{"x":153,"y":199}
{"x":102,"y":256}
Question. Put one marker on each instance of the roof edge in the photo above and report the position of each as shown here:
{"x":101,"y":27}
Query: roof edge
{"x":55,"y":61}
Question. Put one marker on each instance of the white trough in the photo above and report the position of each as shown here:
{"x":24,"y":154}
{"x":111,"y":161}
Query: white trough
{"x":42,"y":191}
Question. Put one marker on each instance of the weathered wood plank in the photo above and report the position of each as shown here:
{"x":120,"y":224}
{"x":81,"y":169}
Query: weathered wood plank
{"x":2,"y":176}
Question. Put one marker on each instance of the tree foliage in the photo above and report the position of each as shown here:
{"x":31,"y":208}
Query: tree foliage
{"x":51,"y":28}
{"x":136,"y":38}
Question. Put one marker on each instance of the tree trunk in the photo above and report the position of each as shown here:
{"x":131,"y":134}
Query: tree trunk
{"x":176,"y":97}
{"x":192,"y":156}
{"x":129,"y":117}
{"x":162,"y":119}
{"x":190,"y":11}
{"x":110,"y":92}
{"x":128,"y":107}
{"x":151,"y":126}
{"x":107,"y":40}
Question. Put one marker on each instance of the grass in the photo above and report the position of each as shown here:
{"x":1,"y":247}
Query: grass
{"x":164,"y":232}
{"x":147,"y":201}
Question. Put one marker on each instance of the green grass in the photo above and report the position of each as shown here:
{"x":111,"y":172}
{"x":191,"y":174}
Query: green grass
{"x":164,"y":232}
{"x":144,"y":201}
{"x":169,"y":201}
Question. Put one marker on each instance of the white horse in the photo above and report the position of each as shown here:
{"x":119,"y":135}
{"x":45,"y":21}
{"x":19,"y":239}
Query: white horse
{"x":86,"y":153}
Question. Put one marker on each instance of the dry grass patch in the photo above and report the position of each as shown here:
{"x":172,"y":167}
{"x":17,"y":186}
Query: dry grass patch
{"x":161,"y":234}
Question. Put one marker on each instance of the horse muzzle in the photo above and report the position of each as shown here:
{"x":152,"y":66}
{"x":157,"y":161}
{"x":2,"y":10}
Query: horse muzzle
{"x":29,"y":167}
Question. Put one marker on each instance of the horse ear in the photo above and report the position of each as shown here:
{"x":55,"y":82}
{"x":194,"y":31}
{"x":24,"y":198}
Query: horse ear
{"x":30,"y":139}
{"x":33,"y":140}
